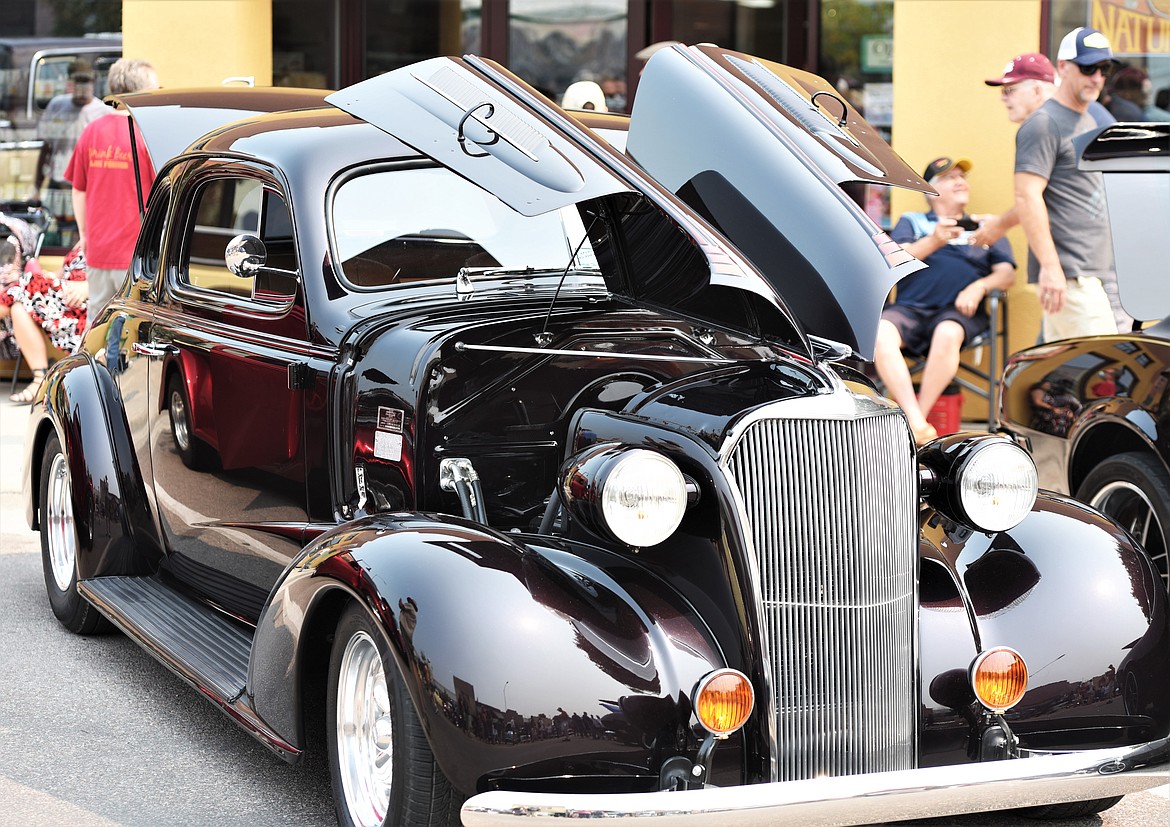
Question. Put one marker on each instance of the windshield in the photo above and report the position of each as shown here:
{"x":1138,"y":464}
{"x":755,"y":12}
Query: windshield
{"x":398,"y":225}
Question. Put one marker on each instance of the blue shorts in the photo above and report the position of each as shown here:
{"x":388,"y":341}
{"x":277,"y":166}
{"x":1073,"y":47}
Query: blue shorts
{"x":916,"y":324}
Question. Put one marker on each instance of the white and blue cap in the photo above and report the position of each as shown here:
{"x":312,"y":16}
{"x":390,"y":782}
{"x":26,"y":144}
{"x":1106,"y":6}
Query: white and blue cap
{"x":1085,"y":46}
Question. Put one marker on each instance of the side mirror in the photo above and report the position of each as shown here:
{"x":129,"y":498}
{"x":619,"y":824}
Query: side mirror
{"x":245,"y":256}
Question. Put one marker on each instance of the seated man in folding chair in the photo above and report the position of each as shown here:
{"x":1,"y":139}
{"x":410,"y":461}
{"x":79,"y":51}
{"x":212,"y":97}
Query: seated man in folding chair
{"x":940,"y":308}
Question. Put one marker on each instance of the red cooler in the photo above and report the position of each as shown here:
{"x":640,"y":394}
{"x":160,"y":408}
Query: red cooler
{"x":947,"y":414}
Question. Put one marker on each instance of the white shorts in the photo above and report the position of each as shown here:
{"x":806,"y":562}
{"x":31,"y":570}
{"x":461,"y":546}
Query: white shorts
{"x":1086,"y":312}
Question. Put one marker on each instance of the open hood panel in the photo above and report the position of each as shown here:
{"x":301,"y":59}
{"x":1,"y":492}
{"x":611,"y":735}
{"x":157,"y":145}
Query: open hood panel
{"x":170,"y":120}
{"x":744,"y":142}
{"x":448,"y":110}
{"x":749,"y":144}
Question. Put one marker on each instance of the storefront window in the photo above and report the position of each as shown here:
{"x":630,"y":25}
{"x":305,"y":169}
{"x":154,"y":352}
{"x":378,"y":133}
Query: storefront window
{"x":397,"y":33}
{"x":857,"y":56}
{"x":554,"y":43}
{"x":304,"y":38}
{"x":758,"y":27}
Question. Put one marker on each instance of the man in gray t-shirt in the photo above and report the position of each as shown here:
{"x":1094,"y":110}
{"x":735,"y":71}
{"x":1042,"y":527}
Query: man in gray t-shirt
{"x":1061,"y":208}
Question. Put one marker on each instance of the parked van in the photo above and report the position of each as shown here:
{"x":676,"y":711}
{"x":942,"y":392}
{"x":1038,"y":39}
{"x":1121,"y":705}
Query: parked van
{"x":34,"y":69}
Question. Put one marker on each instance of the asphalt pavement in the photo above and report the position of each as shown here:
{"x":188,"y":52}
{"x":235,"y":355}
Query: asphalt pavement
{"x":95,"y":733}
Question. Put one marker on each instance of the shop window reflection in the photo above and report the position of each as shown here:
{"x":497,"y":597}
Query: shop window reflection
{"x":551,"y":44}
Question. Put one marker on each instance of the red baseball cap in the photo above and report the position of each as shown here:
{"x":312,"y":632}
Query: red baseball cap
{"x":1029,"y":66}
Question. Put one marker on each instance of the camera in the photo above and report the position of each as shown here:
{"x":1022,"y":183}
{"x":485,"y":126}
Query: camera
{"x":967,"y":223}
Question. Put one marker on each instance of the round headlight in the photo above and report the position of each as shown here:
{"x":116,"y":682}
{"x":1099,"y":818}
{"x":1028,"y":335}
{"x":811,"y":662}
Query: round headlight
{"x":996,"y":485}
{"x":643,"y":498}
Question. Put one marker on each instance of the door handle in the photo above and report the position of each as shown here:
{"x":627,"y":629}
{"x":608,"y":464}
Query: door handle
{"x":152,"y":350}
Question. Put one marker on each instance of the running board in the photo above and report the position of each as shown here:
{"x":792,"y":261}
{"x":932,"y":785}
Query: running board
{"x":201,"y":645}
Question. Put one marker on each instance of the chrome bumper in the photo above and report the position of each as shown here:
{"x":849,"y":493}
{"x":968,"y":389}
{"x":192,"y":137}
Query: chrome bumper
{"x":860,"y":799}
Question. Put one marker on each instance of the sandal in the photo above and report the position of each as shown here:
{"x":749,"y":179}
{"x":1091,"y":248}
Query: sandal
{"x":29,"y":394}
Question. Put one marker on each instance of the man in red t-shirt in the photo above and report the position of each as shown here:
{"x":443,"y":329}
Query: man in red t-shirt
{"x":105,"y":203}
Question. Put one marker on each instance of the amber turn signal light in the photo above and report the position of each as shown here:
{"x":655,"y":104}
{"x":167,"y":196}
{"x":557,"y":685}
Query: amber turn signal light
{"x":999,"y":677}
{"x":723,"y":700}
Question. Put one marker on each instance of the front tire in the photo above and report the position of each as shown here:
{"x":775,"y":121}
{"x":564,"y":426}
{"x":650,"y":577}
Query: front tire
{"x":1134,"y":490}
{"x":382,"y":767}
{"x":59,"y":545}
{"x":1071,"y":809}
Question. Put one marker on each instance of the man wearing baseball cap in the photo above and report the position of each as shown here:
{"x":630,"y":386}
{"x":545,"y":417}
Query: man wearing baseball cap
{"x":61,"y":123}
{"x":1060,"y":207}
{"x":1027,"y":81}
{"x":940,"y":307}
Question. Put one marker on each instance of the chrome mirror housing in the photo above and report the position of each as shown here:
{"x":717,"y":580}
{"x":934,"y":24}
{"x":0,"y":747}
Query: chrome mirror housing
{"x":245,"y":255}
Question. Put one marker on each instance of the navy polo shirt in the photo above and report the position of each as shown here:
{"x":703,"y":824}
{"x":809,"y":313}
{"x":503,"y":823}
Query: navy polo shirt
{"x":949,"y":269}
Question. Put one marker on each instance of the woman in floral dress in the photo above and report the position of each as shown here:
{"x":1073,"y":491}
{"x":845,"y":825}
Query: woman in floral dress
{"x":44,"y":303}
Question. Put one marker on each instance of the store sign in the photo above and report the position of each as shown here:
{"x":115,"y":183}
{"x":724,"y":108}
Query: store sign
{"x":1133,"y":28}
{"x":877,"y":53}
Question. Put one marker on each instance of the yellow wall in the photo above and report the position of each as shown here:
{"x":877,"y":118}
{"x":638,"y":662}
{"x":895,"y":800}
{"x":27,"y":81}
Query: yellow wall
{"x":943,"y":51}
{"x":200,"y":42}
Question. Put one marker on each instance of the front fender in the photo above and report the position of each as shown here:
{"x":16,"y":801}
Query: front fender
{"x":1074,"y":595}
{"x":519,"y":658}
{"x":115,"y":531}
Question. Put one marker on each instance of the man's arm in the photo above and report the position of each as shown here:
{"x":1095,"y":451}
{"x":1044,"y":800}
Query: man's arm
{"x":1001,"y":277}
{"x":1034,"y":219}
{"x":994,"y":227}
{"x":945,"y":229}
{"x":79,"y":216}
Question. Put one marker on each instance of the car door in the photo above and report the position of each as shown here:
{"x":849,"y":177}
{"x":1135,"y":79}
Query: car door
{"x":227,"y":423}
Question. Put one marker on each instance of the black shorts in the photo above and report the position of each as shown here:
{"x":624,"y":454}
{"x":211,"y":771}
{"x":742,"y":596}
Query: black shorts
{"x":916,"y":324}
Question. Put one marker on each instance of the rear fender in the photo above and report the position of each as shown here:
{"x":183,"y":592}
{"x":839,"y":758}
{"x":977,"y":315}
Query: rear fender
{"x":116,"y":535}
{"x":517,"y":657}
{"x":1074,"y":595}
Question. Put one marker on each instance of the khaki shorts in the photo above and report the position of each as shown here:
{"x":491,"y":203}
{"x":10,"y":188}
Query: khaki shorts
{"x":1086,"y":312}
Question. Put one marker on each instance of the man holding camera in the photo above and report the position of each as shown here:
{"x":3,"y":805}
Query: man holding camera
{"x":939,"y":308}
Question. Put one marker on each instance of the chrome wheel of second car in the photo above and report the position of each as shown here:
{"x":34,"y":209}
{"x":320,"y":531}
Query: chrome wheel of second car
{"x":365,"y":732}
{"x":1134,"y":490}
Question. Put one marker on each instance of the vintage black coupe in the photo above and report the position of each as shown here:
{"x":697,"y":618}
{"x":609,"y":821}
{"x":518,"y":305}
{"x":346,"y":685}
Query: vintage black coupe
{"x":521,"y":459}
{"x":1095,"y":411}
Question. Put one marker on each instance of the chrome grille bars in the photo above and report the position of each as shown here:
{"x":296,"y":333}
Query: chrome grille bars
{"x":830,"y":506}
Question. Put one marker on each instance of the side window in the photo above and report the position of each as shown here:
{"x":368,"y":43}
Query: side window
{"x":224,"y":208}
{"x":150,"y":239}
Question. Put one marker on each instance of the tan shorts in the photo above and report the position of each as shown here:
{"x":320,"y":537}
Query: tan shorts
{"x":1086,"y":312}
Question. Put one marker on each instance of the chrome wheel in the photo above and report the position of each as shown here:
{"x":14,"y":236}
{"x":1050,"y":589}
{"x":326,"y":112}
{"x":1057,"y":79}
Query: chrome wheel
{"x":179,"y":426}
{"x":59,"y":527}
{"x":1130,"y":507}
{"x":365,"y":732}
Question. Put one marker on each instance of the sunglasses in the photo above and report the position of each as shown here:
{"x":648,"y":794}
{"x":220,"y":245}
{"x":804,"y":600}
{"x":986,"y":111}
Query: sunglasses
{"x":1106,"y":69}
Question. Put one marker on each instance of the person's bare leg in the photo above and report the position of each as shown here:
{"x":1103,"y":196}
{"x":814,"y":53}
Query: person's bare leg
{"x":31,"y":341}
{"x":942,"y":362}
{"x":891,"y":367}
{"x":29,"y":337}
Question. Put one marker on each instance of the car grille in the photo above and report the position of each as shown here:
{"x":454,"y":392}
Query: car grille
{"x":831,"y":509}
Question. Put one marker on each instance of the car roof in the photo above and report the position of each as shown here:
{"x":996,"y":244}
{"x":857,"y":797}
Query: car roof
{"x":170,"y":120}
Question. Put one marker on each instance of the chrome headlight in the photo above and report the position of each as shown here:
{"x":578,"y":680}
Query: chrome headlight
{"x":987,"y":481}
{"x":636,"y":496}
